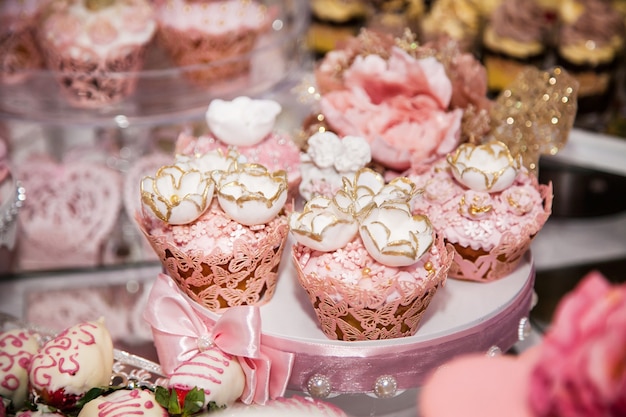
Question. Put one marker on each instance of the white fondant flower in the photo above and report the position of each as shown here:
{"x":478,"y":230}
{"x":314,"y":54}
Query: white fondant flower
{"x":328,"y":159}
{"x":242,"y":121}
{"x":177,"y":196}
{"x":488,"y":167}
{"x":395,"y":237}
{"x":323,"y":147}
{"x":215,"y":160}
{"x":251,"y":194}
{"x":355,"y":153}
{"x":323,"y":225}
{"x":369,"y":187}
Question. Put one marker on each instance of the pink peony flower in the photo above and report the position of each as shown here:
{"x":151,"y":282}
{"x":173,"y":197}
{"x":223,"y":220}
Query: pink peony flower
{"x":582,"y":368}
{"x":400,"y":105}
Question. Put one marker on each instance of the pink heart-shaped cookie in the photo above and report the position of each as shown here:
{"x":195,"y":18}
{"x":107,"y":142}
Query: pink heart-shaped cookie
{"x":70,"y":211}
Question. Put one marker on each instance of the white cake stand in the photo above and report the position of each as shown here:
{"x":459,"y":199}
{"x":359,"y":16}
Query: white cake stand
{"x":463,"y":317}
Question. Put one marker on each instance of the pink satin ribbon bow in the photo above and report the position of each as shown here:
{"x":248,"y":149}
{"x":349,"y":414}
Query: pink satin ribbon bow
{"x":181,"y":330}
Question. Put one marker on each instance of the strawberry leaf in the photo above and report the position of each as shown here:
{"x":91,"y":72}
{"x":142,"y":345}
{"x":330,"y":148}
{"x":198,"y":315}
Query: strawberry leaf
{"x":194,"y":401}
{"x":212,"y":406}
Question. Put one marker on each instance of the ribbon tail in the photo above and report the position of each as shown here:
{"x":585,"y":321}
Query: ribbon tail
{"x":175,"y":325}
{"x":267,"y":377}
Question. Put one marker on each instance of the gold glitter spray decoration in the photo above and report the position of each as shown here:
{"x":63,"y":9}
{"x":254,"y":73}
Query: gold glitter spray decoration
{"x":535,"y":114}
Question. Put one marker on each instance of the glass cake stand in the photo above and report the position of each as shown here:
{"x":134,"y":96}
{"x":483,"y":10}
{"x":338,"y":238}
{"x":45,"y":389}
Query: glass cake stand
{"x":165,"y":92}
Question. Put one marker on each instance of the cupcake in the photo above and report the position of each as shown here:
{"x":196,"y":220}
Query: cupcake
{"x":19,"y":52}
{"x":456,"y":19}
{"x":333,"y":22}
{"x":576,"y":370}
{"x":95,"y":47}
{"x":247,"y":126}
{"x":394,"y":17}
{"x":515,"y":36}
{"x":218,"y":227}
{"x":590,"y":44}
{"x":17,"y":348}
{"x":486,"y":205}
{"x":211,"y":39}
{"x":70,"y":364}
{"x":369,"y":267}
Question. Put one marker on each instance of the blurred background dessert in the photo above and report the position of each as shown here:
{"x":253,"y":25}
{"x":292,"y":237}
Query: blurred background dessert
{"x":589,"y":45}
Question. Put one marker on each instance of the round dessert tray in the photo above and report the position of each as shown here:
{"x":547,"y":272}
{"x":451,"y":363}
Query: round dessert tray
{"x":462,"y":317}
{"x":164,"y":93}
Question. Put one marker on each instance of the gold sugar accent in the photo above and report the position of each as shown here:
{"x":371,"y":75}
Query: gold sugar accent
{"x":366,"y":271}
{"x":512,"y":202}
{"x":175,"y":200}
{"x":95,"y":5}
{"x":476,"y":210}
{"x":536,"y":113}
{"x":428,"y":266}
{"x":473,"y":209}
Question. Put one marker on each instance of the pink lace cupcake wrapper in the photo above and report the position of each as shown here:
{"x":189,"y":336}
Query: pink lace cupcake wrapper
{"x":89,"y":81}
{"x":486,"y":266}
{"x":207,"y":58}
{"x":363,"y":314}
{"x":18,"y":55}
{"x":217,"y":279}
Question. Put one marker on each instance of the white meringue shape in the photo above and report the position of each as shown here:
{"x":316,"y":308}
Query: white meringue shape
{"x":251,"y":195}
{"x":215,"y":160}
{"x":177,"y":196}
{"x":489,"y":167}
{"x":322,"y":225}
{"x":243,"y":121}
{"x":395,"y":237}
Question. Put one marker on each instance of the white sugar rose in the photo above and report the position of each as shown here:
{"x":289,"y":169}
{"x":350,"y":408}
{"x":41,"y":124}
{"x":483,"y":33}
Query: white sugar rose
{"x":369,"y":187}
{"x":323,"y":225}
{"x":488,"y":167}
{"x":395,"y":237}
{"x":215,"y":160}
{"x":251,"y":195}
{"x":177,"y":196}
